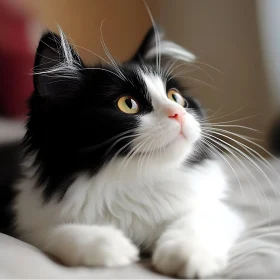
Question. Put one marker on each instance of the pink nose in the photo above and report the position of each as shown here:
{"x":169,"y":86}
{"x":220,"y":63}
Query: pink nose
{"x":176,"y":115}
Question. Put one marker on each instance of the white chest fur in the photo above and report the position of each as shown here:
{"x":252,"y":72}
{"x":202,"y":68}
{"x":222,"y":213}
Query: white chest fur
{"x":140,"y":207}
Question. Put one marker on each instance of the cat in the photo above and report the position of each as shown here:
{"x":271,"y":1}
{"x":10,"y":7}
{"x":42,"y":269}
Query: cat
{"x":114,"y":164}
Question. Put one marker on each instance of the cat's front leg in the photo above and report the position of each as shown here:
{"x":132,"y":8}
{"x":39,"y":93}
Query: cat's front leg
{"x":88,"y":245}
{"x":197,"y":244}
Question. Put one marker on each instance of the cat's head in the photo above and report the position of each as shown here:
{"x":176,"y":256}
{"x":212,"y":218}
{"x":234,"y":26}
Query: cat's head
{"x":81,"y":117}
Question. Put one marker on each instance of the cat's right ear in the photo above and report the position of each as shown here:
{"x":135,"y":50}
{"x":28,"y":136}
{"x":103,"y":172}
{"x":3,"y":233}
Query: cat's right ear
{"x":58,"y":68}
{"x":155,"y":46}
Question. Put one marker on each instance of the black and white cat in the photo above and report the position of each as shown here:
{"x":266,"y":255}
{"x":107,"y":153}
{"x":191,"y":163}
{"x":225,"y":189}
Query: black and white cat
{"x":114,"y":164}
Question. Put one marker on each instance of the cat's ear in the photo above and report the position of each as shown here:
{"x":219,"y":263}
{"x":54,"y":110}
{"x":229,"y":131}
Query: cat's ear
{"x":155,"y":44}
{"x":58,"y":68}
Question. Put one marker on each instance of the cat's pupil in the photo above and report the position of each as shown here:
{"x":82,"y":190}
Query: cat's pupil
{"x":174,"y":97}
{"x":128,"y":102}
{"x":131,"y":104}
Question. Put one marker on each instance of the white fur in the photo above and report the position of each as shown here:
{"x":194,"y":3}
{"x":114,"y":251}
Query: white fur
{"x":90,"y":245}
{"x":169,"y":209}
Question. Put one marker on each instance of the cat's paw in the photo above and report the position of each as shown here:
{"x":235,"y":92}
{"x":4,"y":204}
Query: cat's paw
{"x":178,"y":259}
{"x":92,"y":246}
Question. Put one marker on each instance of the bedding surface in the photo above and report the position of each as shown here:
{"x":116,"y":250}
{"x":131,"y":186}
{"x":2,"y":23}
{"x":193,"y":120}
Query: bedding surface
{"x":255,"y":255}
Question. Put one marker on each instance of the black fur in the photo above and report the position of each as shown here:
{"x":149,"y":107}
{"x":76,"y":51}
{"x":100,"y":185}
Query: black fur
{"x":274,"y":137}
{"x":9,"y":174}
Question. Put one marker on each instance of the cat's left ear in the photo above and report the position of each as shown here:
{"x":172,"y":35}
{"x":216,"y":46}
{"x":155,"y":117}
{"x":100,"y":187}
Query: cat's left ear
{"x":155,"y":44}
{"x":58,"y":68}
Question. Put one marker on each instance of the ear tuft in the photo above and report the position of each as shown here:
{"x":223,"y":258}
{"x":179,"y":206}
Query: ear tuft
{"x":57,"y":66}
{"x":56,"y":56}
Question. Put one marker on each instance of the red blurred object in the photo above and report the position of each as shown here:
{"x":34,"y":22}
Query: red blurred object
{"x":16,"y":62}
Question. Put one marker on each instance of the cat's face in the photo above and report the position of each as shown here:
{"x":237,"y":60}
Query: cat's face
{"x":171,"y":127}
{"x":82,"y":117}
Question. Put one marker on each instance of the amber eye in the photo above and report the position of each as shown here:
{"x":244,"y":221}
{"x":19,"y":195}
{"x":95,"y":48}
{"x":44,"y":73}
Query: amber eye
{"x":175,"y":96}
{"x":128,"y":105}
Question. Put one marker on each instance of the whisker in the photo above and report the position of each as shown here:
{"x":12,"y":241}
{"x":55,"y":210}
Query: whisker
{"x":202,"y":70}
{"x":242,"y":136}
{"x":150,"y":152}
{"x":234,"y":126}
{"x":214,"y":114}
{"x":97,"y":146}
{"x":229,"y":114}
{"x":100,"y":57}
{"x":109,"y":54}
{"x":236,"y":159}
{"x":116,"y":142}
{"x":237,"y":120}
{"x":170,"y":69}
{"x":231,"y":151}
{"x":210,"y":66}
{"x":196,"y":80}
{"x":251,"y":162}
{"x":251,"y":151}
{"x":157,"y":38}
{"x":142,"y":158}
{"x":136,"y":150}
{"x":209,"y":144}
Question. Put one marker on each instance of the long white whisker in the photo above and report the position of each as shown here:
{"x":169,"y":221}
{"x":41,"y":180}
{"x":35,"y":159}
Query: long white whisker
{"x":251,"y":151}
{"x":232,"y":125}
{"x":237,"y":120}
{"x":199,"y":68}
{"x":107,"y":141}
{"x":236,"y":159}
{"x":125,"y":137}
{"x":197,"y":80}
{"x":157,"y":38}
{"x":142,"y":158}
{"x":229,"y":114}
{"x":209,"y":144}
{"x":242,"y":136}
{"x":214,"y":114}
{"x":246,"y":168}
{"x":109,"y":55}
{"x":131,"y":154}
{"x":210,"y":66}
{"x":100,"y":57}
{"x":170,"y":69}
{"x":251,"y":162}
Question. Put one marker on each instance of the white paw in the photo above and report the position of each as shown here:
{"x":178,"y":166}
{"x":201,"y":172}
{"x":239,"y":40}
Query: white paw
{"x":178,"y":259}
{"x":92,"y":246}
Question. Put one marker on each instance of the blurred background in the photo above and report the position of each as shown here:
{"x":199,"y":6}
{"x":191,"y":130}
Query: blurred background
{"x":237,"y":43}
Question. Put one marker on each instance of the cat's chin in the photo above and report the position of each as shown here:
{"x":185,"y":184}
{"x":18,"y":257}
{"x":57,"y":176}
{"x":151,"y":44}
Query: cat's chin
{"x":178,"y":149}
{"x":174,"y":152}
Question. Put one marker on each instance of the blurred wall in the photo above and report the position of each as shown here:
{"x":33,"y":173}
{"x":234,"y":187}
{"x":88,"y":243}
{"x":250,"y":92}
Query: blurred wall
{"x":225,"y":35}
{"x":125,"y":23}
{"x":269,"y":24}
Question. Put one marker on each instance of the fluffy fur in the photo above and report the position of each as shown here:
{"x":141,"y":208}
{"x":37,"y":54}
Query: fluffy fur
{"x":99,"y":185}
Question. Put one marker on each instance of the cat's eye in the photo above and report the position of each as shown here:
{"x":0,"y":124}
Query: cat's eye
{"x":128,"y":105}
{"x":174,"y":95}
